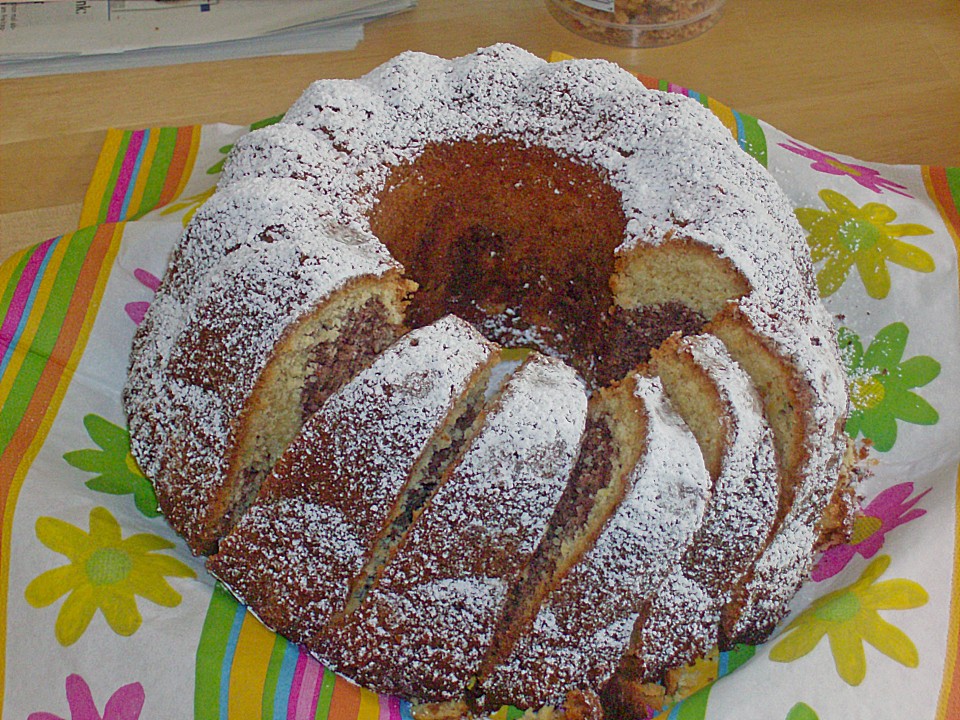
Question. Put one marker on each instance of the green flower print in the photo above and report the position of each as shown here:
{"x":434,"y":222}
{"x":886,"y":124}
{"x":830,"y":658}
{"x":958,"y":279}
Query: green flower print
{"x":802,"y":711}
{"x":118,"y":471}
{"x":880,"y":385}
{"x":845,"y":235}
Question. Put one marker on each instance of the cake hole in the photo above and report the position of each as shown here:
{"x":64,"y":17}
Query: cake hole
{"x":520,"y":241}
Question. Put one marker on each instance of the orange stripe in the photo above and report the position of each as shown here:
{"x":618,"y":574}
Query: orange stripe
{"x":49,"y":393}
{"x":648,"y":81}
{"x":55,"y":367}
{"x":184,"y":153}
{"x":76,"y":326}
{"x":345,"y":703}
{"x":191,"y":158}
{"x":936,"y":180}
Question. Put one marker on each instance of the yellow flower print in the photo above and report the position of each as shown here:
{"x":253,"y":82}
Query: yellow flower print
{"x":847,"y":236}
{"x":105,"y":573}
{"x":848,"y":617}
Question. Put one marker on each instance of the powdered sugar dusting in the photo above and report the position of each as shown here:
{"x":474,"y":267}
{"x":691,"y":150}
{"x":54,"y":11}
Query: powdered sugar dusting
{"x":585,"y":624}
{"x":290,"y":540}
{"x":253,"y":263}
{"x":671,"y":160}
{"x":433,"y":612}
{"x":736,"y":522}
{"x":786,"y":561}
{"x":361,"y":445}
{"x":745,"y":493}
{"x":350,"y":463}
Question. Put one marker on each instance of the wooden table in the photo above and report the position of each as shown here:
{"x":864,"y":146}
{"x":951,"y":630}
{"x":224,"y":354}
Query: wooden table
{"x":877,"y":80}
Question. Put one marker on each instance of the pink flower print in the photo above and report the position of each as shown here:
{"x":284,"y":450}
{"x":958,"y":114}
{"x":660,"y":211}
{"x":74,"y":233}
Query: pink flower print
{"x":862,"y":175}
{"x":888,"y":510}
{"x":124,"y":704}
{"x":136,"y":310}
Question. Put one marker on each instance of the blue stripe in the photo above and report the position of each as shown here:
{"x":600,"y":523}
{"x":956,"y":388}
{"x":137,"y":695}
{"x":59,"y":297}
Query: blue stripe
{"x":228,"y":653}
{"x":281,"y":697}
{"x":741,"y":131}
{"x":28,"y":307}
{"x":406,"y":710}
{"x":700,"y":98}
{"x":723,"y":664}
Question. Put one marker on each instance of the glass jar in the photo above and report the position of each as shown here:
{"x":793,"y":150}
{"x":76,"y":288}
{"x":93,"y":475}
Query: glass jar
{"x":637,"y":23}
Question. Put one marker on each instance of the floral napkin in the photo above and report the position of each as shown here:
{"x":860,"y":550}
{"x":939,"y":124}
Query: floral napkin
{"x":104,"y":614}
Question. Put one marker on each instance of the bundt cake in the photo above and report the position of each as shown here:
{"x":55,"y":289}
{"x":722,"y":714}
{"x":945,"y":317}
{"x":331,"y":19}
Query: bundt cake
{"x":313,"y":391}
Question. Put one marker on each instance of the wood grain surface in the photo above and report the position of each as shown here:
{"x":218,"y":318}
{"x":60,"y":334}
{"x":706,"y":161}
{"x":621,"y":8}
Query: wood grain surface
{"x":877,"y":80}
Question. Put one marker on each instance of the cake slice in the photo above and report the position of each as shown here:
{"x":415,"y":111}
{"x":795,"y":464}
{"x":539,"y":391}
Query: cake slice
{"x":304,"y":550}
{"x":267,"y":308}
{"x":718,"y":401}
{"x":654,"y":495}
{"x":433,"y":610}
{"x":804,"y":396}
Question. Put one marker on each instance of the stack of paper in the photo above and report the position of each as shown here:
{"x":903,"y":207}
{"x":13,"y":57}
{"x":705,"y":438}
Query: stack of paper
{"x":40,"y":38}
